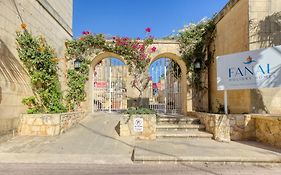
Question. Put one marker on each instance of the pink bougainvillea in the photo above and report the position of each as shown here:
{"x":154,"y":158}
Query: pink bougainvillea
{"x":85,"y":32}
{"x":148,"y":29}
{"x":136,"y":51}
{"x":153,"y":49}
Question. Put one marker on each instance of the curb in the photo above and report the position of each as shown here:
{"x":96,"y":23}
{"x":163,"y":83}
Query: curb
{"x":207,"y":159}
{"x":63,"y":158}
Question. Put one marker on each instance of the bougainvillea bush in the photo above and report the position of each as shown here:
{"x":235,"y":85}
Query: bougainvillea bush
{"x":40,"y":61}
{"x":134,"y":51}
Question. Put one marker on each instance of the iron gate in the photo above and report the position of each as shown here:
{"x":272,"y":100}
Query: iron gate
{"x":165,"y":88}
{"x":109,"y":85}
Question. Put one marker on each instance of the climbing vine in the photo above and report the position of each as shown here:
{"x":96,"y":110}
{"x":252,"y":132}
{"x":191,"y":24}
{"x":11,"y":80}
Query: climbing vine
{"x":41,"y":63}
{"x":195,"y":41}
{"x":134,"y":51}
{"x":76,"y":84}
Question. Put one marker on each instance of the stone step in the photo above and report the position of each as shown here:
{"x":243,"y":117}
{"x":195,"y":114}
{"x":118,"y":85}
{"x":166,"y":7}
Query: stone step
{"x":180,"y":134}
{"x":178,"y":120}
{"x":171,"y":115}
{"x":182,"y":127}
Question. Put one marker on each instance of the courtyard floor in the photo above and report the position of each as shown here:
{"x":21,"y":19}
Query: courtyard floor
{"x":95,"y":140}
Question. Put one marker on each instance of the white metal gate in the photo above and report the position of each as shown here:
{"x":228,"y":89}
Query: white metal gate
{"x":165,"y":89}
{"x":109,"y":85}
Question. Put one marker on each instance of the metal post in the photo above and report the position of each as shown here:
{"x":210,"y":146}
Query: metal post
{"x":110,"y":89}
{"x":225,"y":102}
{"x":121,"y":80}
{"x":165,"y":79}
{"x":92,"y":91}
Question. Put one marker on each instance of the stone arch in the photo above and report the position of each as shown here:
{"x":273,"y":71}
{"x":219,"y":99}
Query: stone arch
{"x":186,"y":100}
{"x":95,"y":59}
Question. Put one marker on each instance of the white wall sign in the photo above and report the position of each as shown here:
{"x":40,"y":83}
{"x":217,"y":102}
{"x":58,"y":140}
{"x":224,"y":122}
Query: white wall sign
{"x":138,"y":124}
{"x":250,"y":70}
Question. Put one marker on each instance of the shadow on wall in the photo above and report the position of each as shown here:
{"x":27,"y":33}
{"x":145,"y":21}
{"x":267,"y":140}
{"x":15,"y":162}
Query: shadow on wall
{"x":257,"y":103}
{"x":267,"y":30}
{"x":0,"y":94}
{"x":10,"y":69}
{"x":267,"y":33}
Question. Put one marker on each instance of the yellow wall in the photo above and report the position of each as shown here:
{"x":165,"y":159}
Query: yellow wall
{"x":265,"y":31}
{"x":231,"y":37}
{"x":241,"y":26}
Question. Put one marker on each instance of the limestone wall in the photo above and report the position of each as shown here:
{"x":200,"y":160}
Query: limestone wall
{"x":40,"y":20}
{"x":264,"y":128}
{"x":268,"y":129}
{"x":242,"y":127}
{"x":216,"y":124}
{"x":48,"y":124}
{"x":126,"y":127}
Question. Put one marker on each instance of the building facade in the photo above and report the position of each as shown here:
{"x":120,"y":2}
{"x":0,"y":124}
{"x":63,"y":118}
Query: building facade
{"x":50,"y":18}
{"x":244,"y":25}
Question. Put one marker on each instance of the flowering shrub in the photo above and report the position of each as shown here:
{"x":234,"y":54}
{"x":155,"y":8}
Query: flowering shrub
{"x":135,"y":52}
{"x":41,"y":63}
{"x":195,"y":41}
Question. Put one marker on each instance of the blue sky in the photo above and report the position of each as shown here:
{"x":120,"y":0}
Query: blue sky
{"x":131,"y":17}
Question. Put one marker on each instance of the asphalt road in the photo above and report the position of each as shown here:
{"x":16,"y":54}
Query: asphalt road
{"x":138,"y":169}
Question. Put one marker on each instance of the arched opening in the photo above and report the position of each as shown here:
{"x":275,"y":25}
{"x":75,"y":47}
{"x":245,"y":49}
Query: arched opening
{"x":108,"y":84}
{"x":169,"y":88}
{"x":165,"y":87}
{"x":120,"y":91}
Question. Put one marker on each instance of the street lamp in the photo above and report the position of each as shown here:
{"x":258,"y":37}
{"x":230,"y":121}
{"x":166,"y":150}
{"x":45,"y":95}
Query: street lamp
{"x":77,"y":63}
{"x":197,"y":65}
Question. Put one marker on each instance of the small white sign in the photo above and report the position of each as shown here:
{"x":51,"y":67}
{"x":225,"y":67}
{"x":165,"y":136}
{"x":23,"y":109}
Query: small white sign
{"x":250,"y":70}
{"x":138,"y":124}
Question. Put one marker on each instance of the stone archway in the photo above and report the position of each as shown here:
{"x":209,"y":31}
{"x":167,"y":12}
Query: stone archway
{"x":95,"y":59}
{"x":186,"y":101}
{"x":165,"y":49}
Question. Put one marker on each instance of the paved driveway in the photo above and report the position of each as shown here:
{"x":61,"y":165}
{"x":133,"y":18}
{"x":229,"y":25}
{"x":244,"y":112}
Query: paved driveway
{"x":94,"y":138}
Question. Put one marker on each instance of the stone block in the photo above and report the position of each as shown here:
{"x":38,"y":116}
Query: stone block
{"x":37,"y":121}
{"x":30,"y":120}
{"x":53,"y":119}
{"x":47,"y":124}
{"x":268,"y":130}
{"x":57,"y":130}
{"x":232,"y":122}
{"x":240,"y":120}
{"x":50,"y":130}
{"x":211,"y":123}
{"x":236,"y":136}
{"x":35,"y":128}
{"x":149,"y":127}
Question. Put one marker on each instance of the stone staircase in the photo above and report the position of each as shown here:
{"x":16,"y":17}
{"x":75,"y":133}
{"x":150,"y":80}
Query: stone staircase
{"x":179,"y":126}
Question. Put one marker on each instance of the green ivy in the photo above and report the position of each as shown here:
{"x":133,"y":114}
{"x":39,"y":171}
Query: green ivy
{"x":195,"y":41}
{"x":41,"y":63}
{"x":76,"y":85}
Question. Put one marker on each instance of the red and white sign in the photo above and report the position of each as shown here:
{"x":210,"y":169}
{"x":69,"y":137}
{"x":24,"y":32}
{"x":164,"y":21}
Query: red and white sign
{"x":156,"y":85}
{"x":100,"y":84}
